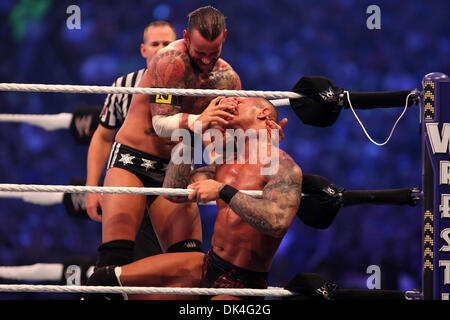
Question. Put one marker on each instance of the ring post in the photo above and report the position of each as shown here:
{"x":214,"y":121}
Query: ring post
{"x":435,"y":135}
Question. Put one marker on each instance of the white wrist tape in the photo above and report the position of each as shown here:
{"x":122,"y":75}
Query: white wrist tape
{"x":164,"y":126}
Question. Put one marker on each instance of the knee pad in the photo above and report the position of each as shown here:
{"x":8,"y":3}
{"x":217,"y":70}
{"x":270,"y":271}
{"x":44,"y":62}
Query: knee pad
{"x":116,"y":253}
{"x":190,"y":245}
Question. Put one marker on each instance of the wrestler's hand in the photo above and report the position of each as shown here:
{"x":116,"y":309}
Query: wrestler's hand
{"x":93,"y":201}
{"x":204,"y":191}
{"x":215,"y":113}
{"x":270,"y":124}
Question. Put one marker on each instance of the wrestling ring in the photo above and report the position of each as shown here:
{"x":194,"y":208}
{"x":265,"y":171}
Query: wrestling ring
{"x":317,"y":102}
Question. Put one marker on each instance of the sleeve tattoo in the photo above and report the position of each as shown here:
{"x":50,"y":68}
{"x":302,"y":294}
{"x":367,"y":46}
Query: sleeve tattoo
{"x":273,"y":213}
{"x":180,"y":176}
{"x":170,"y":69}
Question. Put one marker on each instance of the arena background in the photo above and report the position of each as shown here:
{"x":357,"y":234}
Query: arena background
{"x":271,"y":44}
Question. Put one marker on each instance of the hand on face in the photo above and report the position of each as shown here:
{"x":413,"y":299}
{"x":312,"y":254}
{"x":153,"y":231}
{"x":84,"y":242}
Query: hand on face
{"x":230,"y":101}
{"x":216,"y":113}
{"x":270,"y":124}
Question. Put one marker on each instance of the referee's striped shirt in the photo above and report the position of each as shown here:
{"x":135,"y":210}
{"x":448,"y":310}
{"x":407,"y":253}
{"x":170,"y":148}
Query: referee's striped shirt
{"x":116,"y":106}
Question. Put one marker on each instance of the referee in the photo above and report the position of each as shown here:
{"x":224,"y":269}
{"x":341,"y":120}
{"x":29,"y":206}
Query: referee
{"x":157,"y":35}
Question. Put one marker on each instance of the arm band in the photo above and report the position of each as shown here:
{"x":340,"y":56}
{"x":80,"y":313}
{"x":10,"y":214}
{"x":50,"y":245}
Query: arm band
{"x":227,"y":193}
{"x":165,"y":125}
{"x":166,"y":99}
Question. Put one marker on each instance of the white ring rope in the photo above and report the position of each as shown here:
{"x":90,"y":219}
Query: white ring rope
{"x":280,"y":102}
{"x":48,"y":122}
{"x":49,"y":199}
{"x":51,"y":122}
{"x":39,"y":198}
{"x":271,"y":291}
{"x":150,"y":91}
{"x":34,"y":272}
{"x":109,"y":190}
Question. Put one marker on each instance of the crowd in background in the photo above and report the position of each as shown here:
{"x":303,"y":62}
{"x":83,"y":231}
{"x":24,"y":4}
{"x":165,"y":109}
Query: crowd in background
{"x":271,"y":44}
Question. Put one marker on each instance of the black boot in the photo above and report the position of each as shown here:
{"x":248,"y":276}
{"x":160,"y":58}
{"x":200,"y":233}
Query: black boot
{"x":104,"y":276}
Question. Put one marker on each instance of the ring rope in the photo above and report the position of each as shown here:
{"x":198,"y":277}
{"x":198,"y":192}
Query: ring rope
{"x":122,"y":190}
{"x":39,"y":198}
{"x":280,"y":102}
{"x":34,"y":272}
{"x":271,"y":291}
{"x":48,"y":122}
{"x":150,"y":91}
{"x":49,"y":199}
{"x":63,"y":120}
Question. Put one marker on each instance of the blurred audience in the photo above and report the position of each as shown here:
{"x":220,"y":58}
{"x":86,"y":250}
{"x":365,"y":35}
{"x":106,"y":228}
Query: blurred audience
{"x":271,"y":44}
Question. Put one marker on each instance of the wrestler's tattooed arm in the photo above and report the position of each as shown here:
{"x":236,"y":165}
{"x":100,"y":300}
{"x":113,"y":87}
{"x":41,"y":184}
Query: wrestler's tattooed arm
{"x":224,"y":78}
{"x":173,"y":69}
{"x":273,"y":214}
{"x":180,"y":176}
{"x":169,"y":69}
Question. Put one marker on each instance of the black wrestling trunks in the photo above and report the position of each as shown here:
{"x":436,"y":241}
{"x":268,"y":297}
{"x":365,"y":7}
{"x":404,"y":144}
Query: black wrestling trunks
{"x":218,"y":273}
{"x":148,"y":168}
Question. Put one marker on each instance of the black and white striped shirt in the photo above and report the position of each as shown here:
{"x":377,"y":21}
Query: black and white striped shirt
{"x":116,"y":106}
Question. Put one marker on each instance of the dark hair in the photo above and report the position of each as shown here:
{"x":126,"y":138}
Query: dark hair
{"x":159,"y":23}
{"x":209,"y":21}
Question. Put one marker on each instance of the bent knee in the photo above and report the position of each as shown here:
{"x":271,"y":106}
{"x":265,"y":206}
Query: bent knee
{"x":120,"y":225}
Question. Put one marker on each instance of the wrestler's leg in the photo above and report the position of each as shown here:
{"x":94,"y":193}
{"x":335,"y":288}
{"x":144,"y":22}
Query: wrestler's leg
{"x":175,"y":222}
{"x":146,"y":243}
{"x":121,"y":217}
{"x":179,"y":269}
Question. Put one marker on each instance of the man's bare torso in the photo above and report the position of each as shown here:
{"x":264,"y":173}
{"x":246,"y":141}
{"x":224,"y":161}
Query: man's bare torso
{"x":235,"y":240}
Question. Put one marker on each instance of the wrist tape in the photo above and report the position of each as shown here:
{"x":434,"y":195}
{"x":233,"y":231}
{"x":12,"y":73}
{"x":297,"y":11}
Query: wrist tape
{"x":227,"y":193}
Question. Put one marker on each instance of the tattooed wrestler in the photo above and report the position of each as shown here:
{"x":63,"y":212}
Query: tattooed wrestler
{"x":247,"y":231}
{"x":139,"y":158}
{"x":142,"y":147}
